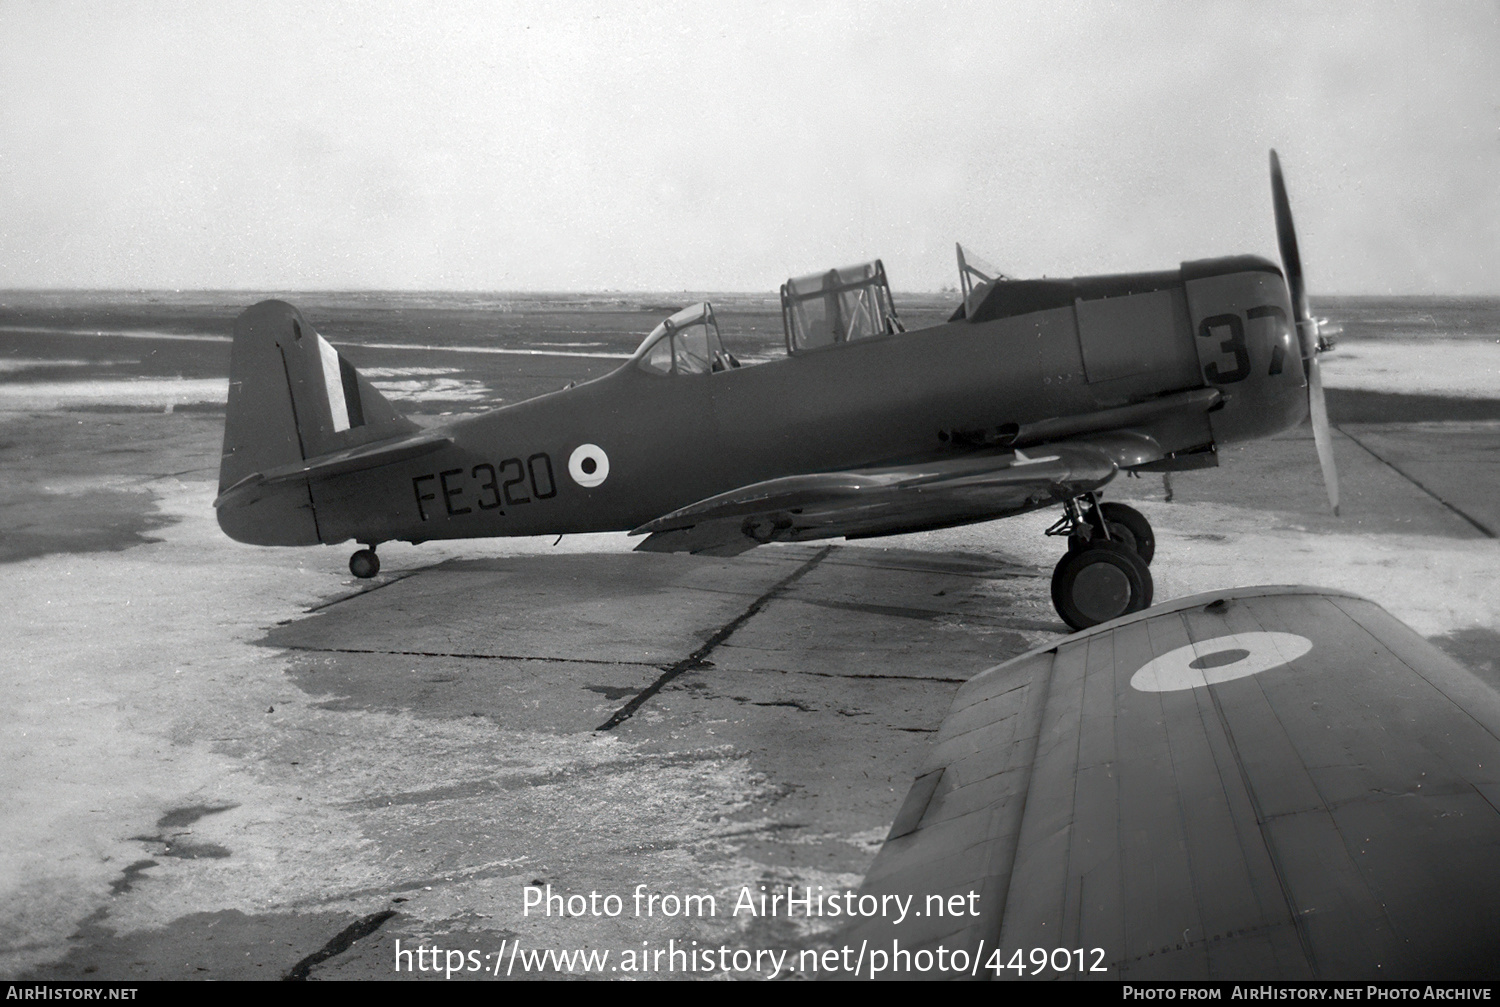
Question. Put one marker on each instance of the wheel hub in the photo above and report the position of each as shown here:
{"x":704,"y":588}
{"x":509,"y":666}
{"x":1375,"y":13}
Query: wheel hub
{"x":1101,"y":591}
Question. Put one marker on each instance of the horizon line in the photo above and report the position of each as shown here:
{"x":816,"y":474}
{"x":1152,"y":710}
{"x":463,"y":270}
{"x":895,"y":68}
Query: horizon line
{"x":596,"y":291}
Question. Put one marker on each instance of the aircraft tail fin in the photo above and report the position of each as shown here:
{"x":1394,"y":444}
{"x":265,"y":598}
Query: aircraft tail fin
{"x":293,"y":397}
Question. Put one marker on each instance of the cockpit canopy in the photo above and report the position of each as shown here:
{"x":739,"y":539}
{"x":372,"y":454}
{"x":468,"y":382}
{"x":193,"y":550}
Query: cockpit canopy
{"x":686,"y":343}
{"x":838,"y":306}
{"x":977,"y":278}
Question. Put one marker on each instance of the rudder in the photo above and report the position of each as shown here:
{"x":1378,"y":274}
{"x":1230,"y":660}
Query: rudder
{"x":292,"y":397}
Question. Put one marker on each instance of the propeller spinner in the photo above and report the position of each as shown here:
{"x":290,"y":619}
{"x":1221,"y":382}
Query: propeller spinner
{"x":1307,"y":330}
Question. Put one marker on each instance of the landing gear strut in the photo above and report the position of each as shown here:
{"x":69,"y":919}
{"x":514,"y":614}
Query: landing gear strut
{"x":1126,"y":525}
{"x":1104,"y":573}
{"x":365,"y":564}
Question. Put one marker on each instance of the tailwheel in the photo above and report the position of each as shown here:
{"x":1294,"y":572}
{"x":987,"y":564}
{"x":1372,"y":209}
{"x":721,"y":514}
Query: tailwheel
{"x":364,"y":564}
{"x":1099,"y":582}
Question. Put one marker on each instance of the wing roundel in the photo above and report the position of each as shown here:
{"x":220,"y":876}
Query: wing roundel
{"x":1268,"y":783}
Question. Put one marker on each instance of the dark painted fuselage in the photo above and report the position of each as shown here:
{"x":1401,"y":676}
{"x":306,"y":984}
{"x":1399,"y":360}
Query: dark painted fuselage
{"x":1031,"y":351}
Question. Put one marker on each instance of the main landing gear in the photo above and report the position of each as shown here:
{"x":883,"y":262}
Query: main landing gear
{"x":1105,"y":572}
{"x":365,"y":564}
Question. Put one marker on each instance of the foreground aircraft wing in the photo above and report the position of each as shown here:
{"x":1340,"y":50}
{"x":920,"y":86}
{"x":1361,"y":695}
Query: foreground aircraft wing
{"x":881,"y":501}
{"x":1263,"y":783}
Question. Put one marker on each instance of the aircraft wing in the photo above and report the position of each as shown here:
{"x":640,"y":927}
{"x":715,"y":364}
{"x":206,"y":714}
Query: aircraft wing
{"x":1262,"y":783}
{"x":880,"y":501}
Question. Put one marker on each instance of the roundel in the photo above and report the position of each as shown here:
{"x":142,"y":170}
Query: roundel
{"x":588,"y":465}
{"x":1222,"y":659}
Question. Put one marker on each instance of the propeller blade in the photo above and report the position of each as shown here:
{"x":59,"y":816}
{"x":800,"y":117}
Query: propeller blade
{"x":1318,"y":410}
{"x":1307,"y":330}
{"x":1286,"y":240}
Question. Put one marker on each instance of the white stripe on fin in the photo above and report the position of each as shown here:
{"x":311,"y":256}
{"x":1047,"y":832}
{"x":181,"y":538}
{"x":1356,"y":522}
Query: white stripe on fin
{"x":333,"y":381}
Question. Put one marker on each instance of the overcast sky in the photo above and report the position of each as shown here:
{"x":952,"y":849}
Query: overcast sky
{"x":661,"y":146}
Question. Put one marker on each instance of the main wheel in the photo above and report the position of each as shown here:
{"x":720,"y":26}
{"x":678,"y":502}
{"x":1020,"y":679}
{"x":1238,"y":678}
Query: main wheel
{"x":1127,"y":526}
{"x":1118,"y":532}
{"x":364,"y":564}
{"x":1135,"y":522}
{"x":1101,"y":582}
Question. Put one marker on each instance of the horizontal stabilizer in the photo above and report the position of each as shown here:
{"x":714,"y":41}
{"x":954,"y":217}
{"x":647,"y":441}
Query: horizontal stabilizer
{"x":366,"y":456}
{"x":298,"y":410}
{"x":293,"y":396}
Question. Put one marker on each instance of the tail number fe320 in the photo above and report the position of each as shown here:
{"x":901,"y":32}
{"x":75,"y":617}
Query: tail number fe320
{"x":486,"y":487}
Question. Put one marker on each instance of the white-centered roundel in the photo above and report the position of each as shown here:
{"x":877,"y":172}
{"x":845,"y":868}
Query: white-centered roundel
{"x":588,"y":465}
{"x":1222,"y":659}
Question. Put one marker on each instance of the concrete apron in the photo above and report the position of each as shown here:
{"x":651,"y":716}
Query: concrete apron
{"x":192,"y":790}
{"x":401,"y":761}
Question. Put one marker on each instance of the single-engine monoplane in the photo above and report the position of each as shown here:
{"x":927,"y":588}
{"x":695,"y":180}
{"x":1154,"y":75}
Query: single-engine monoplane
{"x":1033,"y":394}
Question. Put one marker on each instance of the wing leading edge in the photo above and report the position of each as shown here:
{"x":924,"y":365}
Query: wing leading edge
{"x":1266,"y":783}
{"x":881,"y":501}
{"x":1063,"y":457}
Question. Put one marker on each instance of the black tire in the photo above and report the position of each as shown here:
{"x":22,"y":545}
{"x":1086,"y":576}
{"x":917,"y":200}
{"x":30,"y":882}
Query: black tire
{"x":1117,"y":533}
{"x":1100,"y":583}
{"x":364,"y":564}
{"x":1136,"y":523}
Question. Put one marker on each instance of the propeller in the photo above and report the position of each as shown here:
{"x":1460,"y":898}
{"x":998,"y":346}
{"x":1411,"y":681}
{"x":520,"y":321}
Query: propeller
{"x":1307,"y":330}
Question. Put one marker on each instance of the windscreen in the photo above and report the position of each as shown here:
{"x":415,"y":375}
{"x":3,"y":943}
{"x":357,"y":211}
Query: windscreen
{"x":686,"y":343}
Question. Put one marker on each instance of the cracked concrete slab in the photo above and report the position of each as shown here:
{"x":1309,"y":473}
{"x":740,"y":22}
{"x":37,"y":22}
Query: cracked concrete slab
{"x":224,"y":758}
